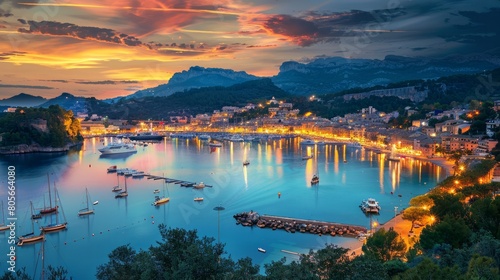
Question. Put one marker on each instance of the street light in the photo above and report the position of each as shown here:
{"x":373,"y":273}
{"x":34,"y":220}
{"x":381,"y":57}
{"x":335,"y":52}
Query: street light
{"x":218,"y":209}
{"x":395,"y":213}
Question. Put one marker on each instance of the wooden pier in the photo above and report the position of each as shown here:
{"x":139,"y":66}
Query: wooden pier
{"x":293,"y":225}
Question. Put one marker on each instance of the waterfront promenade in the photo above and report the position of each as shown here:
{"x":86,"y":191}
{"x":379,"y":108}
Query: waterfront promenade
{"x":397,"y":223}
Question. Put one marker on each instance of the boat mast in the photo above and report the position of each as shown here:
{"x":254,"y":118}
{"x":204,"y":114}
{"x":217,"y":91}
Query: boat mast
{"x":62,"y":210}
{"x":50,"y":197}
{"x":42,"y":277}
{"x":87,"y":195}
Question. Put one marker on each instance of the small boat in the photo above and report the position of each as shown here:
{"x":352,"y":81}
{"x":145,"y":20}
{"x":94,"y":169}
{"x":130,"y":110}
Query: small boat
{"x":307,"y":157}
{"x":246,"y":162}
{"x":118,"y":148}
{"x":138,"y":174}
{"x":370,"y":206}
{"x":112,"y":168}
{"x":156,"y":191}
{"x":50,"y":209}
{"x":87,"y":210}
{"x":315,"y":179}
{"x":56,"y":226}
{"x":116,"y":189}
{"x":198,"y":199}
{"x":95,"y":202}
{"x":160,"y":200}
{"x":261,"y":250}
{"x":204,"y":137}
{"x":123,"y":193}
{"x":307,"y":142}
{"x":201,"y":185}
{"x":30,"y":237}
{"x":214,"y":144}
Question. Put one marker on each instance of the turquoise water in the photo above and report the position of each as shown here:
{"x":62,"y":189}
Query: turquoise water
{"x":347,"y":176}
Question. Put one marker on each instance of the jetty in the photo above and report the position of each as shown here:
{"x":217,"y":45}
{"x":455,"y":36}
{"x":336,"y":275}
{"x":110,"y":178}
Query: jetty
{"x":293,"y":225}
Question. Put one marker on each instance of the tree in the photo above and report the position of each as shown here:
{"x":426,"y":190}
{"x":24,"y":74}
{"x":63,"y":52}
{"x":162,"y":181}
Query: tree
{"x":450,"y":230}
{"x":481,"y":267}
{"x":447,"y":204}
{"x":426,"y":269}
{"x":120,"y":265}
{"x":385,"y":245}
{"x":278,"y":270}
{"x":414,"y":214}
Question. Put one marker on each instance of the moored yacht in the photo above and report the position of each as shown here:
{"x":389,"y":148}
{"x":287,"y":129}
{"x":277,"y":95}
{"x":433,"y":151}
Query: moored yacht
{"x":118,"y":148}
{"x":370,"y":206}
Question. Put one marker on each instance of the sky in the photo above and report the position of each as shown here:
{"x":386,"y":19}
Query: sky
{"x":110,"y":48}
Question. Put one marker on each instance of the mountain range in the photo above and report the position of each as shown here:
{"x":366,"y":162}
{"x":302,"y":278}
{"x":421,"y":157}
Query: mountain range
{"x":318,"y":76}
{"x":23,"y":100}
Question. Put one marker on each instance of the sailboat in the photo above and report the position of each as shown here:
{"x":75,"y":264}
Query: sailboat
{"x":50,"y":209}
{"x":117,"y":187}
{"x":87,"y":210}
{"x":30,"y":237}
{"x":57,"y":226}
{"x":3,"y":227}
{"x":161,"y":200}
{"x":123,"y":193}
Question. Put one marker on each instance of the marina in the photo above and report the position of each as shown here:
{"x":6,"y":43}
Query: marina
{"x":277,"y":182}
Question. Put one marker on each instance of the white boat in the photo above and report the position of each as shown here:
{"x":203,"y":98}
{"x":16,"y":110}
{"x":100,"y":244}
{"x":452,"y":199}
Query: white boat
{"x":198,"y":199}
{"x":123,"y":193}
{"x":156,"y":191}
{"x":87,"y":210}
{"x":95,"y":202}
{"x":146,"y":136}
{"x":200,"y":185}
{"x":204,"y":137}
{"x":118,"y":148}
{"x":214,"y":144}
{"x":236,"y":138}
{"x":307,"y":142}
{"x":261,"y":250}
{"x":307,"y":157}
{"x":138,"y":174}
{"x":370,"y":206}
{"x":353,"y":144}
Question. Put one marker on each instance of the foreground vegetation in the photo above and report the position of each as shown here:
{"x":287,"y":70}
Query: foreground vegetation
{"x":52,"y":127}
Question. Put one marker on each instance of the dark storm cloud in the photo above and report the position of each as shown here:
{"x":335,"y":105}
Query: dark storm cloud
{"x":4,"y":13}
{"x":80,"y":32}
{"x":24,"y":86}
{"x":313,"y":27}
{"x":481,"y":30}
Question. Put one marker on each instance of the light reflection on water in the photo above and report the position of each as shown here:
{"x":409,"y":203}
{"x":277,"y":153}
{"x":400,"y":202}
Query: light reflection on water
{"x":347,"y":176}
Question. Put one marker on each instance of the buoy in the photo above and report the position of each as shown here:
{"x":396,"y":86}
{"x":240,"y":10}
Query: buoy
{"x":152,"y":217}
{"x":90,"y":165}
{"x":153,"y":222}
{"x":92,"y":234}
{"x":279,"y":195}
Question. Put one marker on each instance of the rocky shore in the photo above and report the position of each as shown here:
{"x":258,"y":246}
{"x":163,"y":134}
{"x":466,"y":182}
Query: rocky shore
{"x":35,"y":148}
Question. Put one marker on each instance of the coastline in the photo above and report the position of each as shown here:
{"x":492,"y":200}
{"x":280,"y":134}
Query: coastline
{"x":35,"y":148}
{"x":402,"y":227}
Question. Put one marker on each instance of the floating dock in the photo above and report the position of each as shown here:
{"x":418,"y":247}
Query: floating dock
{"x":293,"y":225}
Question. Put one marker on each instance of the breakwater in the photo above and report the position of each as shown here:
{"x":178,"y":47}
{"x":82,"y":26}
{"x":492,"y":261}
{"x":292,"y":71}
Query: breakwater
{"x":293,"y":225}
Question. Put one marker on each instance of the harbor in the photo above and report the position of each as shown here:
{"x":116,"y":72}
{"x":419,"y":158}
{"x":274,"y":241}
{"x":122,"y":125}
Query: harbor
{"x":293,"y":225}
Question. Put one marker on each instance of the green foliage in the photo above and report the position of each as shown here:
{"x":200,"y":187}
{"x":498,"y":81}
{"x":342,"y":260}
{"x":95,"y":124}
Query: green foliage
{"x":414,"y":214}
{"x":450,"y":230}
{"x":385,"y":246}
{"x":428,"y":270}
{"x":50,"y":127}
